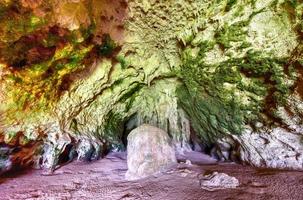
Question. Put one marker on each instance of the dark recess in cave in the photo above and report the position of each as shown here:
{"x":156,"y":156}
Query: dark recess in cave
{"x":67,"y":155}
{"x":128,"y":126}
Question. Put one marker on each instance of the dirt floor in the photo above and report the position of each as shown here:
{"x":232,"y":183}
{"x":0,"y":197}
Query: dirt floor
{"x":104,"y":179}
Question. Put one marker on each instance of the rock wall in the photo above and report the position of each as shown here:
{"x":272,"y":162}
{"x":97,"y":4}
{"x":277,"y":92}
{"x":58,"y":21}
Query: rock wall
{"x":76,"y":76}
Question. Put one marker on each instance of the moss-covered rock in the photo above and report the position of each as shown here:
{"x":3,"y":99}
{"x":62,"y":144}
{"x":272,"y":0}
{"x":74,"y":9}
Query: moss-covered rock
{"x":242,"y":84}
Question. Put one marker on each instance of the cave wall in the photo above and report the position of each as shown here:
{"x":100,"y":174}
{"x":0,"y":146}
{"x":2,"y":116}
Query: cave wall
{"x":74,"y":73}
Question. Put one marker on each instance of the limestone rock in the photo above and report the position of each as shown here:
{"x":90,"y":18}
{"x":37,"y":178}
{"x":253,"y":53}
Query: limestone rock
{"x":148,"y":151}
{"x":5,"y":165}
{"x":223,"y":149}
{"x":52,"y":150}
{"x":277,"y":148}
{"x":89,"y":150}
{"x":217,"y":181}
{"x":5,"y":162}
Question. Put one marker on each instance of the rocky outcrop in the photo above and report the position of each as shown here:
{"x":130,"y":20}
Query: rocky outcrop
{"x":278,"y":148}
{"x":149,"y":151}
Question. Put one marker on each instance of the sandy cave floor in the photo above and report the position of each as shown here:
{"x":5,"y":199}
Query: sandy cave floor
{"x":104,"y":179}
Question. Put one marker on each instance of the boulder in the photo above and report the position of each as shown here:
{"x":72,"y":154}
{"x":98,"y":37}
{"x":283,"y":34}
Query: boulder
{"x":149,"y":151}
{"x":216,"y":181}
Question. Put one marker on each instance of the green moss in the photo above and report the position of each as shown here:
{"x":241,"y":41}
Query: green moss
{"x":25,"y":140}
{"x":43,"y":81}
{"x":76,"y":57}
{"x":40,"y":67}
{"x":74,"y":126}
{"x":14,"y":27}
{"x":113,"y":130}
{"x":231,"y":33}
{"x":210,"y":117}
{"x":239,"y":10}
{"x":131,"y":92}
{"x":263,"y":73}
{"x":10,"y":135}
{"x":230,"y":4}
{"x":89,"y":31}
{"x":107,"y":47}
{"x":122,"y":61}
{"x":221,"y":98}
{"x":15,"y":78}
{"x":130,"y":95}
{"x":35,"y":23}
{"x":65,"y":60}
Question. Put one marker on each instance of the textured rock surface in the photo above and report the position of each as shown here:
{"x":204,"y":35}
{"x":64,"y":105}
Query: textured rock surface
{"x":5,"y":163}
{"x":217,"y":181}
{"x":277,"y":148}
{"x":149,"y":151}
{"x":86,"y":72}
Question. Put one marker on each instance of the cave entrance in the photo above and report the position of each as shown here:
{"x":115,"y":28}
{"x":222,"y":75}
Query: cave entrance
{"x":196,"y":144}
{"x":220,"y":150}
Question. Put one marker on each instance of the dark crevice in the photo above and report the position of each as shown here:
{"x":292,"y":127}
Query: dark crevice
{"x":67,"y":155}
{"x":196,"y":143}
{"x":128,"y":126}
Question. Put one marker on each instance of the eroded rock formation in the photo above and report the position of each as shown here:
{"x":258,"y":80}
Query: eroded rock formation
{"x":78,"y":75}
{"x":149,"y":151}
